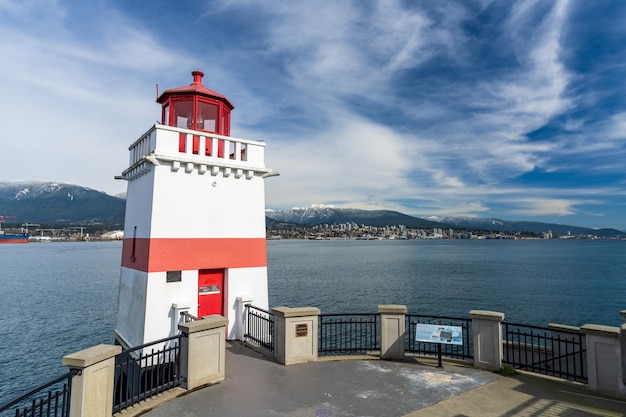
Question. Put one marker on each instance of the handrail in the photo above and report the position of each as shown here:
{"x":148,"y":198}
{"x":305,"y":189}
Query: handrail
{"x":68,"y":375}
{"x":188,"y":317}
{"x":259,"y":309}
{"x":548,"y":329}
{"x":166,"y":339}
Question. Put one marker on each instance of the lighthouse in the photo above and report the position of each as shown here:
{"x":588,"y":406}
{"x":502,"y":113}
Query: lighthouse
{"x":194,"y":232}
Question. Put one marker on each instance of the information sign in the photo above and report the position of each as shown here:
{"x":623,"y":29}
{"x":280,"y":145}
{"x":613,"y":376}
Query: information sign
{"x":439,"y":333}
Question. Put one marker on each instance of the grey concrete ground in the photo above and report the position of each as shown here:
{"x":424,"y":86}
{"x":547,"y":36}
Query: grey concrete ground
{"x":257,"y":386}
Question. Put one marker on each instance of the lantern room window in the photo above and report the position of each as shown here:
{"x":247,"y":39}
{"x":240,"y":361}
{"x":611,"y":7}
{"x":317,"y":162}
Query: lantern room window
{"x":181,"y":116}
{"x":207,"y":117}
{"x":166,"y":114}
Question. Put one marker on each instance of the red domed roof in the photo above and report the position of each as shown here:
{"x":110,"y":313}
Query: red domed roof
{"x":197,"y":88}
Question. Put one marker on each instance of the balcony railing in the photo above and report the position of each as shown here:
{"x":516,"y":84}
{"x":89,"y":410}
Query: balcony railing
{"x":349,"y":334}
{"x":549,"y":351}
{"x":192,"y":149}
{"x":50,"y":399}
{"x":145,"y":371}
{"x":261,"y":327}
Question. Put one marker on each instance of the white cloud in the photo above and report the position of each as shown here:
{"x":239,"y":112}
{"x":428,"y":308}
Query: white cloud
{"x":545,"y":207}
{"x":617,"y":127}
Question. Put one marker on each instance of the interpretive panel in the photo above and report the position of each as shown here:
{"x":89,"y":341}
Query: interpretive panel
{"x":438,"y":333}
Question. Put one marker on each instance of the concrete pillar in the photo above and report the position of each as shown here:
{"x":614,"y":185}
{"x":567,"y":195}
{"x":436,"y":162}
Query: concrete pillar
{"x":203,"y":351}
{"x":487,"y":338}
{"x":296,"y":334}
{"x":92,"y":390}
{"x":392,"y":329}
{"x":241,"y":318}
{"x":604,"y":358}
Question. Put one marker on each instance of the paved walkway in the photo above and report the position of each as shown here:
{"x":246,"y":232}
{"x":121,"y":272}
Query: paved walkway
{"x":257,"y":386}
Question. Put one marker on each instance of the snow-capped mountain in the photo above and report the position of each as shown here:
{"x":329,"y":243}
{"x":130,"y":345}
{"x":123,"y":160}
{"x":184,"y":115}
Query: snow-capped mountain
{"x":319,"y":214}
{"x":53,"y":202}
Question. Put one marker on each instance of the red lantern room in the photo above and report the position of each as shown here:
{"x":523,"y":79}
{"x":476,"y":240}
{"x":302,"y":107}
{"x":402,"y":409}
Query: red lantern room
{"x":196,"y":107}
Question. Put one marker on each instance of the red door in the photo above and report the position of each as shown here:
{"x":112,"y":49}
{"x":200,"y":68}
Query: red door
{"x":210,"y":292}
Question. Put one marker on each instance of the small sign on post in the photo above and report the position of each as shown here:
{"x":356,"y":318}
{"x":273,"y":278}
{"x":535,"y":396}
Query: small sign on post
{"x":440,"y":334}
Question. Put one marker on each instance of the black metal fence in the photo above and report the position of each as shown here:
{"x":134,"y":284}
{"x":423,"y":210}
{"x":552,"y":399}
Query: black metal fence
{"x":348,"y":334}
{"x":260,"y":329}
{"x":549,"y":351}
{"x":145,"y":371}
{"x":464,"y":351}
{"x":50,"y":399}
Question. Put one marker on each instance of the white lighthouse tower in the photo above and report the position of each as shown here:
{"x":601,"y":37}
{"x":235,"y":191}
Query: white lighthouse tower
{"x":194,"y":233}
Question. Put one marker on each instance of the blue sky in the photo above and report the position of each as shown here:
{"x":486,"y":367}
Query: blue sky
{"x":508,"y":109}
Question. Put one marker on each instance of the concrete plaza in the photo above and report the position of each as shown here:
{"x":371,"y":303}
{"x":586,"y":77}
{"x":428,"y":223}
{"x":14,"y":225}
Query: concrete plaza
{"x":258,"y":386}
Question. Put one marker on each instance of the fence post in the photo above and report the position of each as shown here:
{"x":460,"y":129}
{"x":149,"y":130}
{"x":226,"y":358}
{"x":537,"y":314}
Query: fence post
{"x":392,"y":329}
{"x":604,"y":358}
{"x":487,"y":339}
{"x":92,"y":389}
{"x":203,"y":351}
{"x":296,"y":333}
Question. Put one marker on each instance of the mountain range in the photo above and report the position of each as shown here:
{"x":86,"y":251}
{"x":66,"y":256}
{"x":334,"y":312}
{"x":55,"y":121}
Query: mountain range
{"x":319,"y":214}
{"x":67,"y":204}
{"x":58,"y":204}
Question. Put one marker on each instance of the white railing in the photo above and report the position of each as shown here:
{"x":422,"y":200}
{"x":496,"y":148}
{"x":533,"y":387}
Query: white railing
{"x":192,"y":148}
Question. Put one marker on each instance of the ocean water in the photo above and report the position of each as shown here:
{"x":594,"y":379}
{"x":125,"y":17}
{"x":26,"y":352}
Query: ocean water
{"x":55,"y":299}
{"x":58,"y":298}
{"x":532,"y":281}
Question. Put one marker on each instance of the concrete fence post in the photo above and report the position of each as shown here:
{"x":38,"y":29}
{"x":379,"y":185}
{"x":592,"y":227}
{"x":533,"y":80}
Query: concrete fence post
{"x":392,"y":329}
{"x":487,"y":339}
{"x":296,"y":334}
{"x":605,"y":358}
{"x":203,"y":351}
{"x":92,"y":390}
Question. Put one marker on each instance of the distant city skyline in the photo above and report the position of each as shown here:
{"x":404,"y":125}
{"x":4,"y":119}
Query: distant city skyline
{"x":513,"y":110}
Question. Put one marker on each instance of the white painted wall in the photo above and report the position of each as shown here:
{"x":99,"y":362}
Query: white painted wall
{"x":131,"y":309}
{"x":138,"y":207}
{"x":247,"y":283}
{"x":161,"y":318}
{"x":193,"y":205}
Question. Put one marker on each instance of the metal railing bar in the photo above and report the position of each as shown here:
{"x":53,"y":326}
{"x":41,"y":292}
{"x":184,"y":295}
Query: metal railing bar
{"x":187,"y":317}
{"x":543,"y":350}
{"x":66,"y":376}
{"x":259,"y":309}
{"x":166,"y":339}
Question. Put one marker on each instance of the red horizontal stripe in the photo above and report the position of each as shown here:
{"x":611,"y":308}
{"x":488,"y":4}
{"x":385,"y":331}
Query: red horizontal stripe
{"x":171,"y":254}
